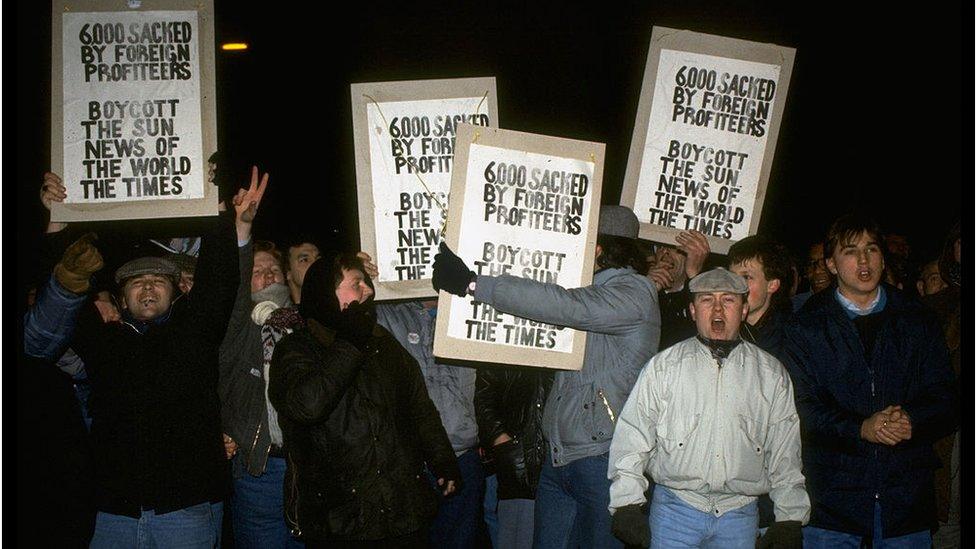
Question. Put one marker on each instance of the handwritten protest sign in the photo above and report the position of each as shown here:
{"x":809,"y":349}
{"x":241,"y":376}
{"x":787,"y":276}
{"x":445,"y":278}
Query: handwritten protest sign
{"x":523,"y":205}
{"x":405,"y":139}
{"x":706,"y":129}
{"x":133,"y":110}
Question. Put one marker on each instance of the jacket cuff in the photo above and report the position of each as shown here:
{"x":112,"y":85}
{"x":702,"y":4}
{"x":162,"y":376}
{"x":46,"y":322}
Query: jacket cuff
{"x":484,"y":291}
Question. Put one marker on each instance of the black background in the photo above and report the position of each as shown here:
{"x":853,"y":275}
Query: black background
{"x":872,"y":121}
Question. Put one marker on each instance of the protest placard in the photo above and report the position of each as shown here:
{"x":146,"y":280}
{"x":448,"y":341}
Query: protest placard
{"x":405,"y":138}
{"x":528,"y":206}
{"x":132,"y":109}
{"x":705,"y":133}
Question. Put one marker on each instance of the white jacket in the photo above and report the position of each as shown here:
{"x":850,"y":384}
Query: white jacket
{"x":718,"y":437}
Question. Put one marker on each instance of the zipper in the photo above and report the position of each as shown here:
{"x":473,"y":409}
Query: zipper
{"x":291,"y":511}
{"x":606,"y":404}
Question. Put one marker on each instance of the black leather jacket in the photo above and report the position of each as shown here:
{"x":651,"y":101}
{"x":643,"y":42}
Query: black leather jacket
{"x":510,"y":400}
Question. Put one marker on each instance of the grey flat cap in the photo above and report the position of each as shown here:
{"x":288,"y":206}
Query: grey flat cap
{"x":618,"y":221}
{"x":718,"y":280}
{"x":147,"y":265}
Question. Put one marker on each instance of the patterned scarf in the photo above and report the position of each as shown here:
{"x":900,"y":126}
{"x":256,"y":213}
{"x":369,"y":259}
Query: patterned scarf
{"x":278,"y":324}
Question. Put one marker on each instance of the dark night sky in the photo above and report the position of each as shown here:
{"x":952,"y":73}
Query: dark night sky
{"x":873,"y":115}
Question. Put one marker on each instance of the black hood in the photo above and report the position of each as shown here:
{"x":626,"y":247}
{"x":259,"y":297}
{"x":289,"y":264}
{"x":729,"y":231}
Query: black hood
{"x":319,"y":301}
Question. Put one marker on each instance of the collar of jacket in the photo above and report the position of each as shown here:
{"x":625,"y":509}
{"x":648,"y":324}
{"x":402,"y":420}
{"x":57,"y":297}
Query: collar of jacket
{"x":603,"y":275}
{"x":326,"y":336}
{"x":825,"y":302}
{"x":735,"y":357}
{"x":321,"y":333}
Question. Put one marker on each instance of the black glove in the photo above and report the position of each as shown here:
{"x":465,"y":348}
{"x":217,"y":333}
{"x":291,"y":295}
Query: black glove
{"x":355,"y":325}
{"x":630,"y":526}
{"x":782,"y":535}
{"x":450,"y":273}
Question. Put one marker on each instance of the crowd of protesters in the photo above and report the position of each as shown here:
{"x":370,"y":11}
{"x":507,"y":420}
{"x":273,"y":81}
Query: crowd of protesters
{"x":236,"y":387}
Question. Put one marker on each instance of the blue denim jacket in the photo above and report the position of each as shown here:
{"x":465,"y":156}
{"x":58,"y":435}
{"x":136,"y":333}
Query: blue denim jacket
{"x":49,"y":324}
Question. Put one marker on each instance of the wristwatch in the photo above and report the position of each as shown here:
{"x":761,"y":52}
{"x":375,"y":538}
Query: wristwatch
{"x":472,"y":285}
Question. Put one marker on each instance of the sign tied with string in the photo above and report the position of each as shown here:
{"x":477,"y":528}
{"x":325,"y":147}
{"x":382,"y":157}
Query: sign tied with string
{"x":409,"y":152}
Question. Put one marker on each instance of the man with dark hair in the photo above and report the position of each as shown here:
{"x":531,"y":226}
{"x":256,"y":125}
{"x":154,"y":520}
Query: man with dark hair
{"x":712,"y":419}
{"x":674,"y":266}
{"x":620,"y":315}
{"x":766,"y":267}
{"x":160,"y":470}
{"x":302,"y":252}
{"x":816,"y":274}
{"x":357,"y":422}
{"x":874,"y":391}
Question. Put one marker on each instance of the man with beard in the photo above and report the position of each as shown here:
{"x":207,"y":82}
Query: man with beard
{"x":712,"y":420}
{"x":357,"y":422}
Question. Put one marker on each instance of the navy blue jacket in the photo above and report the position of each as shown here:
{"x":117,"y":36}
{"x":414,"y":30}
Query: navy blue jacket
{"x":837,"y":388}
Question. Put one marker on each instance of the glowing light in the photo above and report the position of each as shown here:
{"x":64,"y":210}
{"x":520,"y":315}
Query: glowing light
{"x":234,"y":46}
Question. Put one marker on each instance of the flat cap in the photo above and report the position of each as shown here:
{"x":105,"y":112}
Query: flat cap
{"x":184,"y":262}
{"x":147,"y":265}
{"x":618,"y":221}
{"x":718,"y":280}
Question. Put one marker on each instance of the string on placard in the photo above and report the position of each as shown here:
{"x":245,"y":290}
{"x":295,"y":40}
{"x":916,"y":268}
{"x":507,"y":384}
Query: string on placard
{"x":423,"y":183}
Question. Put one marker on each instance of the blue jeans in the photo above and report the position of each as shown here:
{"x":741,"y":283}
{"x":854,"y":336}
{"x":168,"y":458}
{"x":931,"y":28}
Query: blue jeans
{"x":257,"y":509}
{"x":196,"y":527}
{"x":819,"y":537}
{"x":572,"y":506}
{"x":491,"y":508}
{"x":675,"y":524}
{"x":458,"y":518}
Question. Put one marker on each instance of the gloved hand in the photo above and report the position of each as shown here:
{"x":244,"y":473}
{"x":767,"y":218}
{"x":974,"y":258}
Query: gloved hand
{"x":630,"y":526}
{"x":80,"y":261}
{"x":787,"y":534}
{"x":450,"y":272}
{"x":355,"y":325}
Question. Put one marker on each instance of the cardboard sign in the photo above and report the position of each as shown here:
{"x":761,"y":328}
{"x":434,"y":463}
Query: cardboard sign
{"x":528,"y":206}
{"x":706,"y":129}
{"x":133,"y":111}
{"x":405,"y":139}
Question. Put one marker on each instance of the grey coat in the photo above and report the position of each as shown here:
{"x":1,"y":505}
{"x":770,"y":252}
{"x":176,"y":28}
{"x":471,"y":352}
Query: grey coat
{"x":620,"y":313}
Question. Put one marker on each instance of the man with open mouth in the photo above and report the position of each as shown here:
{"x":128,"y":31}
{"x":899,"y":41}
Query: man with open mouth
{"x":874,"y":390}
{"x":712,"y":420}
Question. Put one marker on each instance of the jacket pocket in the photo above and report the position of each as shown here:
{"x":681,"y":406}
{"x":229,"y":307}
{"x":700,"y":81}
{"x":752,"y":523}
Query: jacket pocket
{"x":745,"y":459}
{"x":673,"y":433}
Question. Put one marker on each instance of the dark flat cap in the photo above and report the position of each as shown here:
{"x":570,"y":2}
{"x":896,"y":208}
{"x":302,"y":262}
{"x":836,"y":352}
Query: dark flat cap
{"x":718,"y":280}
{"x":184,"y":262}
{"x":618,"y":221}
{"x":147,"y":265}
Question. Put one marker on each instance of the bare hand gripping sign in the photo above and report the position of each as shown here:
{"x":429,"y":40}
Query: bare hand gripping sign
{"x":706,"y":129}
{"x":524,"y":205}
{"x":131,"y":126}
{"x":405,"y":139}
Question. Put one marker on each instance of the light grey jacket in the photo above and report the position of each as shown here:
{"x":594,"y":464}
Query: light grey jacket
{"x":620,"y":314}
{"x":451,"y":388}
{"x":717,"y":437}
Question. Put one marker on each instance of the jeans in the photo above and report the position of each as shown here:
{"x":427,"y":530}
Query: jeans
{"x":257,"y":509}
{"x":491,"y":508}
{"x":458,"y":521}
{"x":194,"y":527}
{"x":572,"y":506}
{"x":820,"y":537}
{"x":516,"y":523}
{"x":675,"y":524}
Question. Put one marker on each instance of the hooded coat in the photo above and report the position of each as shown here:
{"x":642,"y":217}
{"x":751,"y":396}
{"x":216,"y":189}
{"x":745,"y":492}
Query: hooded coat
{"x":358,"y":426}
